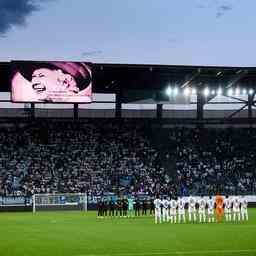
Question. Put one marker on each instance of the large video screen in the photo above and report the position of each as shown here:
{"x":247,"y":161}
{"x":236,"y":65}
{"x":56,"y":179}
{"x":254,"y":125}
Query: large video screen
{"x":51,"y":81}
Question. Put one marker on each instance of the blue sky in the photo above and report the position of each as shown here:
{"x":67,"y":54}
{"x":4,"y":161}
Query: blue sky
{"x":182,"y":32}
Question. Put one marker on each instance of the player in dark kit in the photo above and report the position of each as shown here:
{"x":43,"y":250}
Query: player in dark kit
{"x":152,"y":206}
{"x":105,"y":208}
{"x":116,"y":206}
{"x":111,"y":207}
{"x":137,"y":207}
{"x":125,"y":207}
{"x":100,"y":208}
{"x":119,"y":207}
{"x":144,"y":207}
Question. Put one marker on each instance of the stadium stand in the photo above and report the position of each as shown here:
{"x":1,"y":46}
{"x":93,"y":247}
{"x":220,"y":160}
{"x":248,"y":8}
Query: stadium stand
{"x":126,"y":157}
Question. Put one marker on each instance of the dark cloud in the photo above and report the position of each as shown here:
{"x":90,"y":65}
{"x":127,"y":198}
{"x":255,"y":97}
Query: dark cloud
{"x":91,"y":53}
{"x":222,"y":9}
{"x":219,"y":14}
{"x":225,"y":8}
{"x":15,"y":12}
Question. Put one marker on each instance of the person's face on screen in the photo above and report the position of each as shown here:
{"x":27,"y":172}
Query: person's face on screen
{"x":46,"y":82}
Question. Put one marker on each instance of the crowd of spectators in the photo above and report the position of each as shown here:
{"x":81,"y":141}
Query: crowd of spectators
{"x":210,"y":160}
{"x":109,"y":156}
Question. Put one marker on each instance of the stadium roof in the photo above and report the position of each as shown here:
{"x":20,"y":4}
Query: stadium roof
{"x":108,"y":78}
{"x":131,"y":76}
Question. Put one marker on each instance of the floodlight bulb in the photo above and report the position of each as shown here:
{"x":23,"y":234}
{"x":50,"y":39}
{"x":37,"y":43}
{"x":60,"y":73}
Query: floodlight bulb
{"x":237,"y":92}
{"x":230,"y":92}
{"x":251,"y":91}
{"x":219,"y":92}
{"x":186,"y":91}
{"x":168,"y":91}
{"x":193,"y":91}
{"x":206,"y":92}
{"x":175,"y":91}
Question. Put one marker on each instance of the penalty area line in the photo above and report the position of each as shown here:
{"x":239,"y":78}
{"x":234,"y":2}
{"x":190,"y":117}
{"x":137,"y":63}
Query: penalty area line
{"x":172,"y":253}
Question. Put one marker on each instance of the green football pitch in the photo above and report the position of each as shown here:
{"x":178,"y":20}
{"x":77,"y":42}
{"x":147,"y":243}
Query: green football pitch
{"x":80,"y":234}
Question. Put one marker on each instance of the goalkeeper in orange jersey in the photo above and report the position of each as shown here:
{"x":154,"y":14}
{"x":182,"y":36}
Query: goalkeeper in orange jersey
{"x":219,"y":200}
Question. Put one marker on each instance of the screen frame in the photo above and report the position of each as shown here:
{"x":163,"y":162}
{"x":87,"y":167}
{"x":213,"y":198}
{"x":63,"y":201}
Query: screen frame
{"x":30,"y":62}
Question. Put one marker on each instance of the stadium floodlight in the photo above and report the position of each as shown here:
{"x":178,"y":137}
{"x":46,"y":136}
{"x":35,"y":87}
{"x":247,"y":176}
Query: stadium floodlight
{"x":244,"y":91}
{"x":186,"y":91}
{"x":175,"y":91}
{"x":251,"y":91}
{"x":237,"y":91}
{"x":219,"y":91}
{"x":206,"y":92}
{"x":213,"y":92}
{"x":168,"y":91}
{"x":230,"y":91}
{"x":193,"y":91}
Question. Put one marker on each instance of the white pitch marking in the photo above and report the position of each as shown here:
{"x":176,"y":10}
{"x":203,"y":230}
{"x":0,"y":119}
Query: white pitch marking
{"x":171,"y":253}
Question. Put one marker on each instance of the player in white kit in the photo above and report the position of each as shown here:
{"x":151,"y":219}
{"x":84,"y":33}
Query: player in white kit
{"x":181,"y":210}
{"x":236,"y":208}
{"x":165,"y":204}
{"x":244,"y":211}
{"x":201,"y":209}
{"x":173,"y":210}
{"x":158,"y":215}
{"x":210,"y":205}
{"x":191,"y":209}
{"x":227,"y":209}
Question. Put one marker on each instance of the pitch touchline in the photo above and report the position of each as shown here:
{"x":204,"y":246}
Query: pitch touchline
{"x":170,"y":253}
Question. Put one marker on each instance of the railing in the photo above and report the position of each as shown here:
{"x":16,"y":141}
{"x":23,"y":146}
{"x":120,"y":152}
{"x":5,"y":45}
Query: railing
{"x":15,"y":201}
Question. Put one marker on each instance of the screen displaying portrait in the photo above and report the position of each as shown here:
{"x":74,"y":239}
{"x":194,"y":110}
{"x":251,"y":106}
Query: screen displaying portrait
{"x":51,"y":81}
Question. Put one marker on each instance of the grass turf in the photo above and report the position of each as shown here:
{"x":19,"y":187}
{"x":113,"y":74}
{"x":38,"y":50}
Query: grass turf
{"x":80,"y":234}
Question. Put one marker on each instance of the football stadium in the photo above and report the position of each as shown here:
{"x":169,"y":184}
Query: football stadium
{"x":106,"y":159}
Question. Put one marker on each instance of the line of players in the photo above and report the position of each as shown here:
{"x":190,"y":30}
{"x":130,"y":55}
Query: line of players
{"x":125,"y":207}
{"x":173,"y":210}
